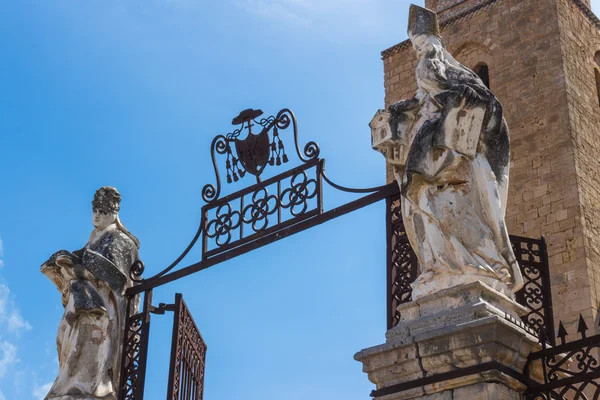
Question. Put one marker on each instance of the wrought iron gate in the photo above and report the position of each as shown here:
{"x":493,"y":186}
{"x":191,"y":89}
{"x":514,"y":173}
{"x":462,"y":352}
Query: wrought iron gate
{"x":188,"y":356}
{"x":259,"y":214}
{"x":188,"y":352}
{"x":291,"y":202}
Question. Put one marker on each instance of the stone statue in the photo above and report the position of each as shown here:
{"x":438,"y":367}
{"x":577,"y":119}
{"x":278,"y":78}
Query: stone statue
{"x":92,"y":282}
{"x":449,"y":146}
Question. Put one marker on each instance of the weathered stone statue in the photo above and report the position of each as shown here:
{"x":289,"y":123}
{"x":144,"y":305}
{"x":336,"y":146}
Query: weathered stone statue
{"x":450,"y":149}
{"x":92,"y":282}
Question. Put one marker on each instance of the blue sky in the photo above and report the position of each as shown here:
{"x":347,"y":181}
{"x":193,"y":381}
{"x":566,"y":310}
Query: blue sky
{"x":130,"y":94}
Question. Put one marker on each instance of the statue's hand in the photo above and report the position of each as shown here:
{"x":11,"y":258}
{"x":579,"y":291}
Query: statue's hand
{"x":403,"y":106}
{"x":62,"y":258}
{"x":470,"y":97}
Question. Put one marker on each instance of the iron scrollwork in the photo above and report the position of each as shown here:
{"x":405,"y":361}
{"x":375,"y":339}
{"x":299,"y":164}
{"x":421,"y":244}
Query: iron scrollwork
{"x":257,"y":151}
{"x":131,"y":350}
{"x":272,"y":204}
{"x":135,"y":350}
{"x":296,"y":196}
{"x":532,"y":257}
{"x":226,"y":221}
{"x":402,"y":262}
{"x":257,"y":212}
{"x":571,"y":369}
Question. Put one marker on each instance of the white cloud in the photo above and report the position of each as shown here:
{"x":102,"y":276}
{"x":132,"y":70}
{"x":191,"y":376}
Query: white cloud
{"x":16,"y":323}
{"x":40,"y":392}
{"x":11,"y":323}
{"x":8,"y":356}
{"x":275,"y":10}
{"x":10,"y":314}
{"x":314,"y":12}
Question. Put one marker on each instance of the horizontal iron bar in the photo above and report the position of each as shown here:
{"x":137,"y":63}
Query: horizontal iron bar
{"x":573,"y":380}
{"x":563,"y":348}
{"x":162,"y":308}
{"x":389,"y":190}
{"x":458,"y":373}
{"x":527,"y":239}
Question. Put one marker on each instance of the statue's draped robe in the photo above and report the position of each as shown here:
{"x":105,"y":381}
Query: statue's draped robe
{"x":454,"y":193}
{"x":90,"y":333}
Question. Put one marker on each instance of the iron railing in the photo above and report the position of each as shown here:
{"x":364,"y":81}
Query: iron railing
{"x":571,"y":370}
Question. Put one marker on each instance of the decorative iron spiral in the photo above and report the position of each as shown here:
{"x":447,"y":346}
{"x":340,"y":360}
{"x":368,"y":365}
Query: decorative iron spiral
{"x":209,"y":191}
{"x":136,"y":270}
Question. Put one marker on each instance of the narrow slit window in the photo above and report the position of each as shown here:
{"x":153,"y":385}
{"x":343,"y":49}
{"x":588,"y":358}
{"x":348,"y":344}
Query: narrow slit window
{"x":483,"y":73}
{"x":597,"y":73}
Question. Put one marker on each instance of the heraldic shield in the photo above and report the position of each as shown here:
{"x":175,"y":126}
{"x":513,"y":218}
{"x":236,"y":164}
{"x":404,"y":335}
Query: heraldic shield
{"x":254,"y":151}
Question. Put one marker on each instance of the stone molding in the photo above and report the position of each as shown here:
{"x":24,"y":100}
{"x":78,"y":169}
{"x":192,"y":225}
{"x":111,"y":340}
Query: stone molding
{"x":457,"y":329}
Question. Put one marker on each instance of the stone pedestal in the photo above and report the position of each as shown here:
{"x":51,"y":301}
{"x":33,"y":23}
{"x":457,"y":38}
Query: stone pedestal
{"x":466,"y":342}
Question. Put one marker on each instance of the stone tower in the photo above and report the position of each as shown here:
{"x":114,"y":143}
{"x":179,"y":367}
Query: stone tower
{"x":541,"y":58}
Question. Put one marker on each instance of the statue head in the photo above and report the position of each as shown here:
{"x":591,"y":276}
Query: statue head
{"x":105,"y":206}
{"x":423,"y":31}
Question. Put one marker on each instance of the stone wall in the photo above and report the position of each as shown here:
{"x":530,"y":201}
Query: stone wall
{"x":579,"y":41}
{"x":540,"y":55}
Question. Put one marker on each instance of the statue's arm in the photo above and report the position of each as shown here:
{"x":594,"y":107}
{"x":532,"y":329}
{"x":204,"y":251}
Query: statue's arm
{"x":101,"y":267}
{"x":404,"y":106}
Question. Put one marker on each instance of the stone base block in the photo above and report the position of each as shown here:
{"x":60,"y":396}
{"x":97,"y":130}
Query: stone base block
{"x":470,"y":334}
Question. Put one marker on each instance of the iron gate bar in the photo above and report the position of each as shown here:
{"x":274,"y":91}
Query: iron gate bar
{"x":388,"y":190}
{"x":570,"y":346}
{"x":590,"y":376}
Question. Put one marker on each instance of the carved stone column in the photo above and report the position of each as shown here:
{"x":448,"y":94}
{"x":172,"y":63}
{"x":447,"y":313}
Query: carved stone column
{"x":465,"y":342}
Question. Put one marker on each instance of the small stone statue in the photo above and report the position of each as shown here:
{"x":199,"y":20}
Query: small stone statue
{"x":92,"y":282}
{"x":449,"y":146}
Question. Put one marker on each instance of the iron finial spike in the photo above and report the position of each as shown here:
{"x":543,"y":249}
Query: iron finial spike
{"x":562,"y":333}
{"x":582,"y":326}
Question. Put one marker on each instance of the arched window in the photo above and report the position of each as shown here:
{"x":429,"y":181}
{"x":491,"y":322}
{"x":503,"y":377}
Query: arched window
{"x":597,"y":74}
{"x":483,"y":72}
